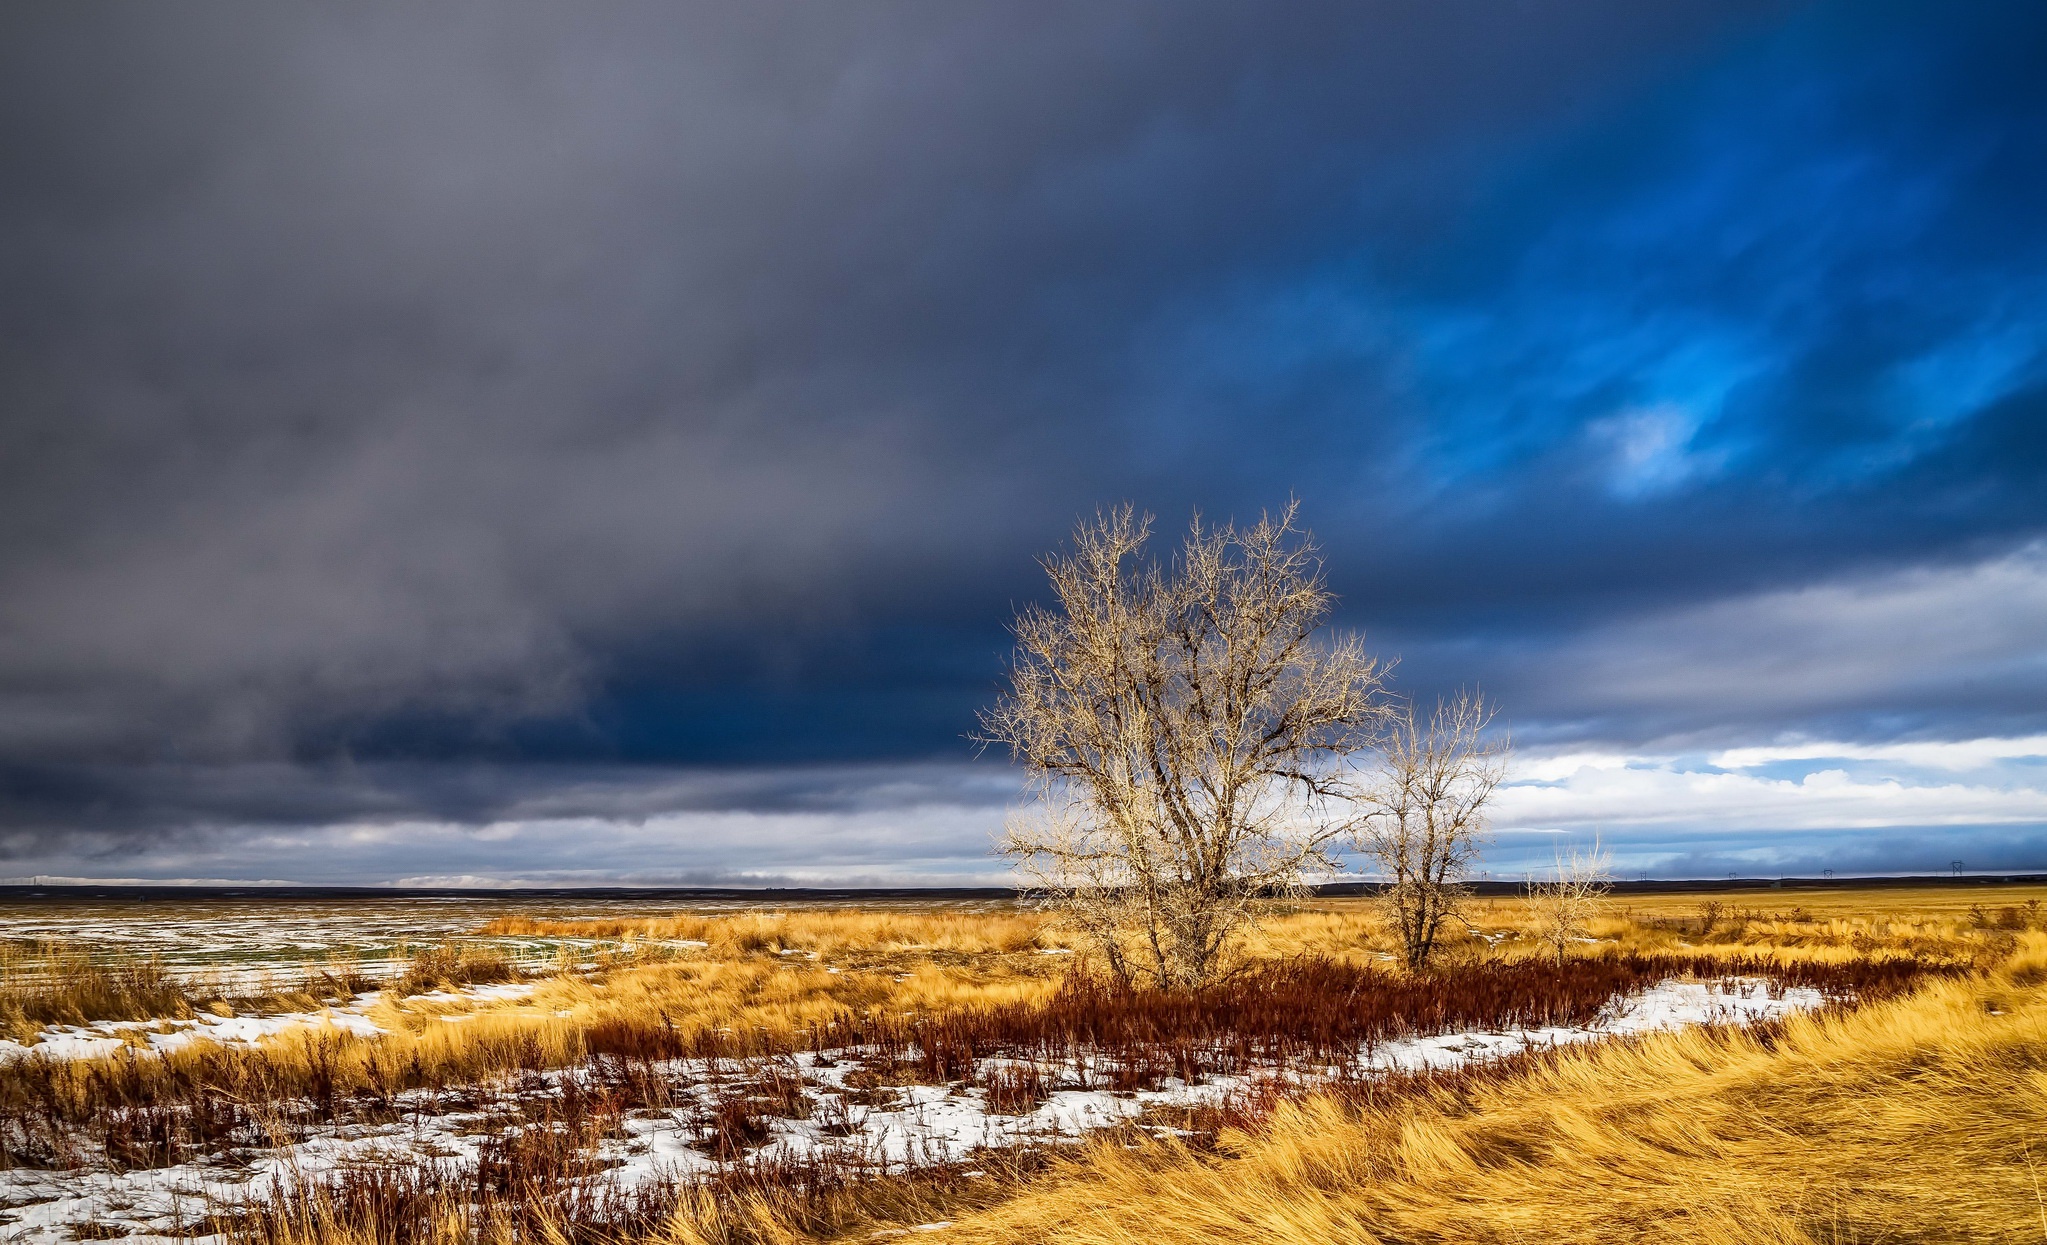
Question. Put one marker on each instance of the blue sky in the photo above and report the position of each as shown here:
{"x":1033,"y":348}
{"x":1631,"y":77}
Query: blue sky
{"x":452,"y":443}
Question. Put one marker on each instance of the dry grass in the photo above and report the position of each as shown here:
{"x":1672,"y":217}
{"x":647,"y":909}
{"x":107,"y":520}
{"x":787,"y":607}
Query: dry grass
{"x":53,"y":984}
{"x":755,"y":1204}
{"x":1908,"y":1120}
{"x":45,"y":984}
{"x":1934,"y":923}
{"x":856,"y":935}
{"x":1847,"y":1128}
{"x":768,"y":982}
{"x":532,"y":1182}
{"x":1920,"y":1119}
{"x":451,"y":965}
{"x":754,"y":1004}
{"x":1978,"y":925}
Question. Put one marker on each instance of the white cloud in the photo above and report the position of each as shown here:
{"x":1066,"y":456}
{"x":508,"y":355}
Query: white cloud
{"x":1587,"y":790}
{"x":934,"y":844}
{"x":1964,"y":754}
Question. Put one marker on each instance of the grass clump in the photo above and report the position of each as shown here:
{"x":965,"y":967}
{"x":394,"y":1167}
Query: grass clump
{"x":848,"y":937}
{"x":452,"y":965}
{"x":48,"y":983}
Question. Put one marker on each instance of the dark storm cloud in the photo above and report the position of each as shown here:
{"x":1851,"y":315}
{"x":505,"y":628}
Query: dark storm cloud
{"x":473,"y":413}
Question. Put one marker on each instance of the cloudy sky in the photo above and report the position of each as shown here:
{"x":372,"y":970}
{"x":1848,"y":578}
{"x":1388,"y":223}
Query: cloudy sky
{"x":516,"y":442}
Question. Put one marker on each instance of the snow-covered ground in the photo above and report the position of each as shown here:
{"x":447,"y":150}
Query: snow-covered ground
{"x":236,"y":943}
{"x":108,"y":1037}
{"x":902,"y":1125}
{"x":240,"y":941}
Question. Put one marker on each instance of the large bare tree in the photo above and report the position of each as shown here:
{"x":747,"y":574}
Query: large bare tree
{"x":1426,"y":815}
{"x":1187,"y":732}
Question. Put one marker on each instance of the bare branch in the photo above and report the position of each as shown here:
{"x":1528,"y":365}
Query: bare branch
{"x":1187,"y":732}
{"x":1562,"y":904}
{"x":1426,"y":816}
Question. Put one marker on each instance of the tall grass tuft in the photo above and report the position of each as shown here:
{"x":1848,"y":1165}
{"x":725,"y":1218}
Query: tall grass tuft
{"x":51,"y":983}
{"x":452,"y":965}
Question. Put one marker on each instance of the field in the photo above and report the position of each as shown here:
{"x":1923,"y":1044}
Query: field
{"x":1798,"y":1066}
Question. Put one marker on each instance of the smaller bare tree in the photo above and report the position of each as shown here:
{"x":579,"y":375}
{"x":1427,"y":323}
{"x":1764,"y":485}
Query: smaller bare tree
{"x":1426,"y":816}
{"x":1561,"y":905}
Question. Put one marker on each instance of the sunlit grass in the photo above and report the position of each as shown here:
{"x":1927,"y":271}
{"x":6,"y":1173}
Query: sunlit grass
{"x":56,"y":984}
{"x":1824,"y":1131}
{"x":1922,"y":1119}
{"x":44,"y":984}
{"x":827,"y":933}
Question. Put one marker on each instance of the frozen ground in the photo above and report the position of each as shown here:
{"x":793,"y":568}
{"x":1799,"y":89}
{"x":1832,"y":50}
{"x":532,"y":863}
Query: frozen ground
{"x":241,"y":940}
{"x":107,"y":1037}
{"x":888,"y":1127}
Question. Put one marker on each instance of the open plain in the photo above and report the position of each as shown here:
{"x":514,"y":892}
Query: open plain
{"x":1849,"y":1064}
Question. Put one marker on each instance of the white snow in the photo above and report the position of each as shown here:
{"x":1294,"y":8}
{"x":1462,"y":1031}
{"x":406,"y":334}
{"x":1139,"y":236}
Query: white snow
{"x":109,"y":1037}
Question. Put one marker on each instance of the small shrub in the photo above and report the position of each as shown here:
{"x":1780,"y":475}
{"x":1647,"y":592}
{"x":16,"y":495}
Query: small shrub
{"x":1015,"y":1088}
{"x":733,"y":1126}
{"x":341,"y":978}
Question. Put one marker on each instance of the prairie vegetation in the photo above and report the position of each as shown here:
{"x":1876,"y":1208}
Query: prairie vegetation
{"x":47,"y":983}
{"x":1915,"y":1119}
{"x":452,"y":965}
{"x":857,"y":936}
{"x":1926,"y":1073}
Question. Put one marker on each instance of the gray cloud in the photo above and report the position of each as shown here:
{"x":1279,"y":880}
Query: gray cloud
{"x":390,"y":359}
{"x":465,"y":415}
{"x":1947,"y":650}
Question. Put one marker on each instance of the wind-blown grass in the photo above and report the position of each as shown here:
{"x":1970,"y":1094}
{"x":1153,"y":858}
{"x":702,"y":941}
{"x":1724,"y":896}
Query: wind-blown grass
{"x":1908,"y":1119}
{"x":53,"y":984}
{"x":925,"y":995}
{"x":45,"y":983}
{"x":452,"y":965}
{"x":1919,"y":1119}
{"x":836,"y":934}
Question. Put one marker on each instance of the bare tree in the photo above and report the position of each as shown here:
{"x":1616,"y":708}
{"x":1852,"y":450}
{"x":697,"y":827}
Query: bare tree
{"x":1426,"y":817}
{"x":1562,"y":904}
{"x":1185,"y":730}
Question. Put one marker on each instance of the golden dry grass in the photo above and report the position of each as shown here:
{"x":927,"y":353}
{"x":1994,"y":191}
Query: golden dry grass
{"x":775,"y":968}
{"x":741,"y":985}
{"x":1791,"y":924}
{"x":1922,"y":1119}
{"x":829,"y":933}
{"x":45,"y":983}
{"x":1940,"y":923}
{"x":775,"y":974}
{"x":53,"y":983}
